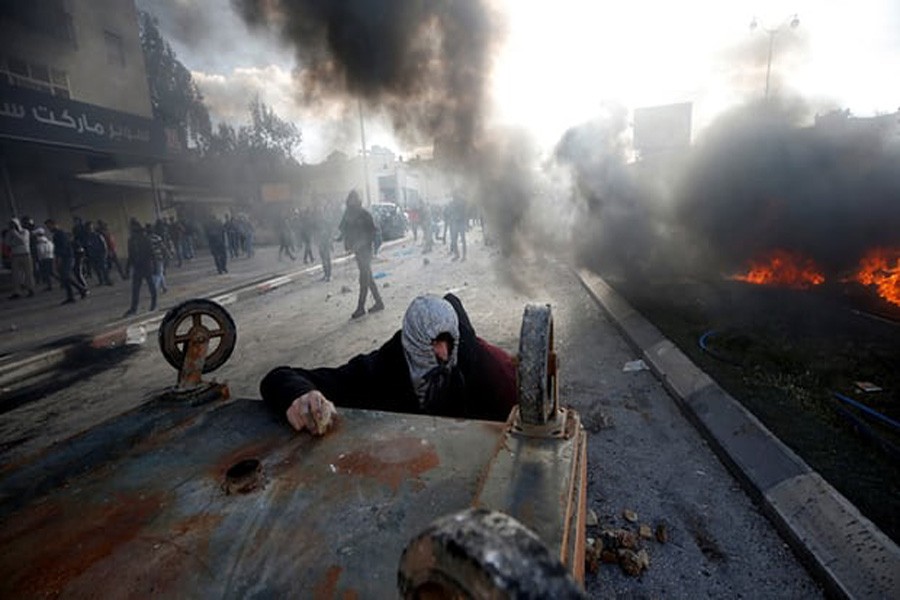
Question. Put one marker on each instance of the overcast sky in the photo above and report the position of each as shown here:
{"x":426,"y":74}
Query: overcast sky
{"x":560,"y":62}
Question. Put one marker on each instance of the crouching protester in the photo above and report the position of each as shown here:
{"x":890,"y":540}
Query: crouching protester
{"x":434,"y":365}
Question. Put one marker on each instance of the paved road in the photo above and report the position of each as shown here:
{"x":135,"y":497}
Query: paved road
{"x":644,"y":456}
{"x":27,"y":323}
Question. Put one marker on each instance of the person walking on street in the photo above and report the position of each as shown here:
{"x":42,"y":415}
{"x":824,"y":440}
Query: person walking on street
{"x":140,"y":265}
{"x":286,"y":240}
{"x":44,"y":253}
{"x":96,"y":253}
{"x":458,"y":218}
{"x":112,"y":254}
{"x":64,"y":254}
{"x":176,"y":233}
{"x":217,"y":239}
{"x":160,"y":259}
{"x":427,"y":228}
{"x":19,"y":241}
{"x":357,"y":229}
{"x":79,"y":241}
{"x":306,"y":236}
{"x":322,"y":233}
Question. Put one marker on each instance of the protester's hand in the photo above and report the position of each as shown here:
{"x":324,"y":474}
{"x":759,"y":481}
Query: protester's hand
{"x":311,"y":411}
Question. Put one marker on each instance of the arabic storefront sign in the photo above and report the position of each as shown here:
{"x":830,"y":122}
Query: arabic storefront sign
{"x":39,"y":117}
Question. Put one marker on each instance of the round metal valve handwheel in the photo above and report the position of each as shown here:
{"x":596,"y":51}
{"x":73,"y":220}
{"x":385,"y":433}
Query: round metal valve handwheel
{"x":536,"y":371}
{"x":192,"y":318}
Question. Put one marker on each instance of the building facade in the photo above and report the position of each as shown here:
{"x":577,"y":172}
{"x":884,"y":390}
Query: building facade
{"x":77,"y":135}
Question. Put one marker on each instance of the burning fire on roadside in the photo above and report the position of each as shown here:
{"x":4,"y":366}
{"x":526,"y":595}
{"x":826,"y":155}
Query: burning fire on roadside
{"x":783,"y":268}
{"x":880,"y":267}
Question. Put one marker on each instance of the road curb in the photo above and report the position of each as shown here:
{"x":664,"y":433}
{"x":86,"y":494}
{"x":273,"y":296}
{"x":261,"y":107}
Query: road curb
{"x":852,"y":557}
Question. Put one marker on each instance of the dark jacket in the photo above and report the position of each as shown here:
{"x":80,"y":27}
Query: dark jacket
{"x":483,"y":383}
{"x":140,"y":254}
{"x":357,"y":229}
{"x":62,"y":246}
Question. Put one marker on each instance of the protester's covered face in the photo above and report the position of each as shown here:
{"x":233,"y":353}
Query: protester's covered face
{"x":430,"y":339}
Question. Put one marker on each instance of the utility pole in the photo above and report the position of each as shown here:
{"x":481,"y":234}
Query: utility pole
{"x":365,"y":152}
{"x":793,"y":21}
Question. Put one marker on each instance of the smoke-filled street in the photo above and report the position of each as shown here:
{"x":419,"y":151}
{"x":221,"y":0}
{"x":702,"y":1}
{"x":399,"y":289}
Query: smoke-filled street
{"x":704,"y":194}
{"x":643,"y":456}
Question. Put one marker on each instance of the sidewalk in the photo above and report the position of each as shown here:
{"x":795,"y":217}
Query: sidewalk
{"x":846,"y":550}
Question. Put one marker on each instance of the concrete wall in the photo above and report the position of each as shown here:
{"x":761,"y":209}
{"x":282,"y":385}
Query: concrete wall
{"x":94,"y":77}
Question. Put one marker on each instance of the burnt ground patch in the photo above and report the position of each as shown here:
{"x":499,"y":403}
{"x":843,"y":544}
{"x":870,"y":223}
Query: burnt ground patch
{"x":81,"y":363}
{"x":796,"y":359}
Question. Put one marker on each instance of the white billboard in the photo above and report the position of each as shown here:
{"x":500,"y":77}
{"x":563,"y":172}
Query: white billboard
{"x":662,"y":128}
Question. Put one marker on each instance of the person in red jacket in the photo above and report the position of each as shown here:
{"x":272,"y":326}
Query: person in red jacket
{"x":434,"y":365}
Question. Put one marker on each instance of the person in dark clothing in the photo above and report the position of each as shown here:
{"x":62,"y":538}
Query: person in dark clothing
{"x":286,"y":239}
{"x":217,"y":238}
{"x":357,"y":229}
{"x":434,"y":365}
{"x":458,"y":219}
{"x":96,"y":252}
{"x":322,"y":234}
{"x":142,"y":266}
{"x":79,"y":241}
{"x":306,"y":236}
{"x":64,"y":254}
{"x":112,"y":249}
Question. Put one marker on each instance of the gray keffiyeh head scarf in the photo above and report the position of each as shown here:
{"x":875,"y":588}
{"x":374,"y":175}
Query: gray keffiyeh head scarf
{"x":427,"y":317}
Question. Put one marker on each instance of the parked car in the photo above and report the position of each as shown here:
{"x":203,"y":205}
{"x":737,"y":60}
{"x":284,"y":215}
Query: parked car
{"x":390,"y":219}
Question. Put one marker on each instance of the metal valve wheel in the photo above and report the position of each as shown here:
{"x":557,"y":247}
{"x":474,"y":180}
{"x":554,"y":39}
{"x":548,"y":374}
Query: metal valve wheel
{"x":537,"y":366}
{"x":197,"y":321}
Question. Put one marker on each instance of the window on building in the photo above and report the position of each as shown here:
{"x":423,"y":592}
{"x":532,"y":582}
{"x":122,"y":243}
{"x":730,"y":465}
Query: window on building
{"x":115,"y":49}
{"x":48,"y":17}
{"x":34,"y":76}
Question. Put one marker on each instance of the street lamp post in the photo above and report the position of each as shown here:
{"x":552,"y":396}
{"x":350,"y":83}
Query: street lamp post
{"x":793,"y":21}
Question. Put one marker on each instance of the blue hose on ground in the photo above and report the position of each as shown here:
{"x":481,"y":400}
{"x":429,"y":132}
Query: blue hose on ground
{"x":863,"y":428}
{"x":703,"y":346}
{"x":871,"y":412}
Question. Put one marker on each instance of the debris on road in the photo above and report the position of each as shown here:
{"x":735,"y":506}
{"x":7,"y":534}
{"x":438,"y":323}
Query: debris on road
{"x":635,"y":365}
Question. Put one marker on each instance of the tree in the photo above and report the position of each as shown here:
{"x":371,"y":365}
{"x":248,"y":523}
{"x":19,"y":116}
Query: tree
{"x":267,"y":141}
{"x":176,"y":100}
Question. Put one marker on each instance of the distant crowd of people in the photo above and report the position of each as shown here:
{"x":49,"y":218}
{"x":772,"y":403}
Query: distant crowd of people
{"x":88,"y":254}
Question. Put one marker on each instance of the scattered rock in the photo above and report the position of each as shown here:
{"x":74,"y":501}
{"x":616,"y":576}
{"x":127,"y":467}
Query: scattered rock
{"x":630,"y":562}
{"x":608,"y":556}
{"x":425,"y":261}
{"x":626,"y":539}
{"x":645,"y":532}
{"x":630,"y":515}
{"x":345,"y":289}
{"x":592,"y":551}
{"x":662,"y":533}
{"x":609,"y":539}
{"x":591,"y":518}
{"x":386,"y":284}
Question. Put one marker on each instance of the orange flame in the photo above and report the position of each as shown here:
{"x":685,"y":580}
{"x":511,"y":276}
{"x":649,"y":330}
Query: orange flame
{"x":881,"y":267}
{"x":783,"y":268}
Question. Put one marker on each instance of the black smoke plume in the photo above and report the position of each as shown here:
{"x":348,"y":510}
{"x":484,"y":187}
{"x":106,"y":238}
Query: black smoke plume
{"x":424,"y":63}
{"x":761,"y":178}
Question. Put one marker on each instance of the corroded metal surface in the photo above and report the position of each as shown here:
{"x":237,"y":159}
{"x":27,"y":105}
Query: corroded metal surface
{"x":330,"y":517}
{"x":542,"y":482}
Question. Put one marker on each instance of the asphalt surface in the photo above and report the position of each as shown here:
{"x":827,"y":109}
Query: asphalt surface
{"x":846,"y":552}
{"x":39,"y":333}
